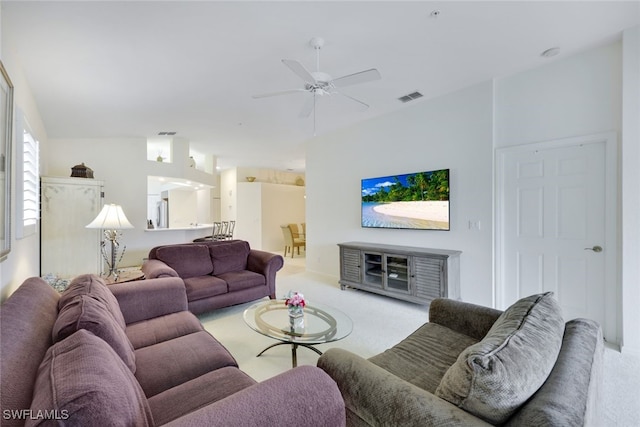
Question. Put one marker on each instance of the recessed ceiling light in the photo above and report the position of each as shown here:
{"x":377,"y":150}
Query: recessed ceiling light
{"x":550,"y":52}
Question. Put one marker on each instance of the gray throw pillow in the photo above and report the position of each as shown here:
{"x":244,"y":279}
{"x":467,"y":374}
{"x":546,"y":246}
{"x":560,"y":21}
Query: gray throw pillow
{"x":493,"y":378}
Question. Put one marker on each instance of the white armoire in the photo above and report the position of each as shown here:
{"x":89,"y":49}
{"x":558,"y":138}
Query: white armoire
{"x":67,"y":248}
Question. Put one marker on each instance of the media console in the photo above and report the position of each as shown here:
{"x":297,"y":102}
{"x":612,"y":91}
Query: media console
{"x":409,"y":273}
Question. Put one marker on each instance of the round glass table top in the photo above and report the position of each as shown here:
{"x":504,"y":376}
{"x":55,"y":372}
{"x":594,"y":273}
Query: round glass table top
{"x":319,"y":324}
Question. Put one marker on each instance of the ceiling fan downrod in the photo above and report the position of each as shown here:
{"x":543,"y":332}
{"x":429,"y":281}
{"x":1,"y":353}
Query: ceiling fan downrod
{"x":317,"y":43}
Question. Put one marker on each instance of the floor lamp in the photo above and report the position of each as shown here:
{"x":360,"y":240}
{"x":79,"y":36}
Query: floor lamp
{"x":111,"y":219}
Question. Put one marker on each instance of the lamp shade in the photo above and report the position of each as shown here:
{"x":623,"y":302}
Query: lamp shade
{"x":111,"y":217}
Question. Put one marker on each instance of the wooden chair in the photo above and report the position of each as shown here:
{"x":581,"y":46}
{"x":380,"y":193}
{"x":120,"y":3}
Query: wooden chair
{"x":298,"y":231}
{"x":289,"y":242}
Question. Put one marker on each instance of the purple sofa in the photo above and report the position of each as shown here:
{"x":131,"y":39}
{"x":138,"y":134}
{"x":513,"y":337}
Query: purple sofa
{"x":217,"y":273}
{"x":131,"y":354}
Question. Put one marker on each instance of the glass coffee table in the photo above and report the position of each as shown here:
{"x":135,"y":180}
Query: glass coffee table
{"x":319,"y":325}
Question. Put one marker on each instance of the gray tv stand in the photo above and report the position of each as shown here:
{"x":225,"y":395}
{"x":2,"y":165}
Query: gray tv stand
{"x":408,"y":273}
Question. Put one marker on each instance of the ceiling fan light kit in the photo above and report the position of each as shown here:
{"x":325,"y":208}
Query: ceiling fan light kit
{"x":320,"y":83}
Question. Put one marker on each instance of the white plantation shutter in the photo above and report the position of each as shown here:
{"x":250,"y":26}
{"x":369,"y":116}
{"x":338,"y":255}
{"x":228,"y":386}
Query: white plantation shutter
{"x":28,"y":207}
{"x":31,"y":172}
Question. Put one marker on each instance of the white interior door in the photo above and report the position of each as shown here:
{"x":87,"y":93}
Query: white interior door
{"x":555,"y":219}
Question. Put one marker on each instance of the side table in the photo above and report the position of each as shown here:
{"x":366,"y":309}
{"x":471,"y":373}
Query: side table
{"x":128,"y":275}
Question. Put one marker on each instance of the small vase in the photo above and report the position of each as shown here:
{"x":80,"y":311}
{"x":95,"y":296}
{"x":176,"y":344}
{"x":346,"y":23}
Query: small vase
{"x":295,"y":311}
{"x":296,"y":317}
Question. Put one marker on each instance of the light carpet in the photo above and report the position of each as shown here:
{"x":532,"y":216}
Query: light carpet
{"x":379,"y":323}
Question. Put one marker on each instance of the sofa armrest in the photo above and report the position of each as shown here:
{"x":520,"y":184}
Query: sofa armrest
{"x":154,"y":268}
{"x":146,"y":299}
{"x":267,"y":264}
{"x":469,"y":319}
{"x":303,"y":395}
{"x":377,"y":397}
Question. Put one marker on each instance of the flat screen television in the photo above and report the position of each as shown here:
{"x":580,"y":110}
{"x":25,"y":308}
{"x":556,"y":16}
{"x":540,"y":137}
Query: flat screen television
{"x":415,"y":201}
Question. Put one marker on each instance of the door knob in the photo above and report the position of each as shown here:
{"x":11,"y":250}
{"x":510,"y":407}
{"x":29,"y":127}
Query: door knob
{"x":594,"y":249}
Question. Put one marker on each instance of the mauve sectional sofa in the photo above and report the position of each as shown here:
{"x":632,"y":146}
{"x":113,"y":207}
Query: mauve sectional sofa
{"x":216,"y":273}
{"x":131,"y":354}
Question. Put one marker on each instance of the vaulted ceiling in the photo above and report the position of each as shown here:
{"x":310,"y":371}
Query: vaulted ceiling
{"x":131,"y":69}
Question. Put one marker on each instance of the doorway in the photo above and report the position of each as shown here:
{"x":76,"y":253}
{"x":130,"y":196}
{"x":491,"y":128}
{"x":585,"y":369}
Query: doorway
{"x":556,"y":218}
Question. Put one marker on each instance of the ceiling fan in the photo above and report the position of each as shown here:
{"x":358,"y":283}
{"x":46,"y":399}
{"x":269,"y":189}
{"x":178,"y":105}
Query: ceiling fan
{"x":318,"y":83}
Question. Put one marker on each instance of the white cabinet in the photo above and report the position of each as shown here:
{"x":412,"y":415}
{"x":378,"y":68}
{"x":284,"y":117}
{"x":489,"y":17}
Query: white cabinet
{"x":67,"y":248}
{"x":412,"y":274}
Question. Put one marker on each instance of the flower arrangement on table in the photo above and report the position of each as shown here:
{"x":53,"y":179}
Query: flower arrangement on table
{"x":295,"y":303}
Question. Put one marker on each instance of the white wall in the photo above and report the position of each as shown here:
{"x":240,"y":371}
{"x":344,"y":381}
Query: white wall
{"x":262,"y":207}
{"x":631,"y":191}
{"x":122,"y":165}
{"x":183,"y":210}
{"x":455,"y":132}
{"x":580,"y":95}
{"x":249,"y":213}
{"x":281,"y":204}
{"x":24,"y":259}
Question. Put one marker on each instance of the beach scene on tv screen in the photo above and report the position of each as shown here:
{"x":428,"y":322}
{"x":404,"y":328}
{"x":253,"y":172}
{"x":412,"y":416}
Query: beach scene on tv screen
{"x":417,"y":200}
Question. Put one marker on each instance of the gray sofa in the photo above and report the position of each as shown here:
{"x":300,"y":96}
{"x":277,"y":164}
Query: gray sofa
{"x":476,"y":366}
{"x":131,"y":354}
{"x":216,"y":273}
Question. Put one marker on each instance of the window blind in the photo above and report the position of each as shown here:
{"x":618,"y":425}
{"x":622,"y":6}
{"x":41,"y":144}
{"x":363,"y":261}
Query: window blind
{"x":31,"y":191}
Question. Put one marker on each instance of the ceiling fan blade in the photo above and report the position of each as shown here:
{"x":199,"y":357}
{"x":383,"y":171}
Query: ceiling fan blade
{"x":357,"y":78}
{"x":363,"y":105}
{"x":308,"y":106}
{"x":299,"y":69}
{"x":282,"y":92}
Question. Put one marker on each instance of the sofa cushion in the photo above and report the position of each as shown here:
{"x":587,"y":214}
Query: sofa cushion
{"x":93,"y":286}
{"x":163,"y":328}
{"x":242,"y":279}
{"x":493,"y":378}
{"x":24,"y":342}
{"x":424,"y":356}
{"x":187,"y":260}
{"x":87,"y":313}
{"x":170,"y":363}
{"x":188,"y":397}
{"x":83,"y":380}
{"x":204,"y":287}
{"x":229,"y":257}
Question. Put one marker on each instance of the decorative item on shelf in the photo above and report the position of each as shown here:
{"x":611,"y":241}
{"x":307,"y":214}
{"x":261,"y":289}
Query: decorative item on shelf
{"x":160,"y":158}
{"x":192,"y":162}
{"x":251,"y":178}
{"x":150,"y":225}
{"x":111,"y":219}
{"x":81,"y":171}
{"x":295,"y":305}
{"x":300,"y":182}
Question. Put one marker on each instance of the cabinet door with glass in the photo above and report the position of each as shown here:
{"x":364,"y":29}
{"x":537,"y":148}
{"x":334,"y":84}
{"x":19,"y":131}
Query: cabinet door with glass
{"x":396,"y":273}
{"x":373,"y":271}
{"x":385,"y":271}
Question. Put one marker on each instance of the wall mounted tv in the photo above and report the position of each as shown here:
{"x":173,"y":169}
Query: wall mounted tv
{"x":415,"y":201}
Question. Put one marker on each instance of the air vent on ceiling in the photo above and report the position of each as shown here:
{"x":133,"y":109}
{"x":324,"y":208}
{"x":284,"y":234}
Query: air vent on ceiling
{"x":410,"y":97}
{"x":167,"y":133}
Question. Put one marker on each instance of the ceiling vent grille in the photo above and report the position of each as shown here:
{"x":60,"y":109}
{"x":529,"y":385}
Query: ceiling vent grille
{"x":166,"y":133}
{"x":410,"y":97}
